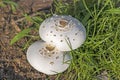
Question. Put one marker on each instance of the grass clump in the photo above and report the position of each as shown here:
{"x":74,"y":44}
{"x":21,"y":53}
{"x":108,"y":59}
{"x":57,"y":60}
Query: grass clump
{"x":101,"y":51}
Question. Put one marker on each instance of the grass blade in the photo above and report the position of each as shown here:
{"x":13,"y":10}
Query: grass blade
{"x":114,"y":11}
{"x":20,"y":35}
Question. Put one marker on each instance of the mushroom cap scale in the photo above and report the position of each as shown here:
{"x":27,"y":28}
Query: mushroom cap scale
{"x":46,"y":61}
{"x":63,"y":31}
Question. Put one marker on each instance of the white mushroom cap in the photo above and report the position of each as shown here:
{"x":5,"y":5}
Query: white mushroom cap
{"x":47,"y":59}
{"x":65,"y":32}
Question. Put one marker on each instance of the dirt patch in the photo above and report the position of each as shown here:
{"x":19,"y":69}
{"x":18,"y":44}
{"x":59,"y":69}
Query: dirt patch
{"x":13,"y":63}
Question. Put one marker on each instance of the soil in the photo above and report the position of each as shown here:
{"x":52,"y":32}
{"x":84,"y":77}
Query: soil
{"x":13,"y":62}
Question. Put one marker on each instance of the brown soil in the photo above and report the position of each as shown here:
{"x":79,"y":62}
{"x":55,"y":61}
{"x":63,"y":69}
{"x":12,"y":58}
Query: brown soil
{"x":13,"y":63}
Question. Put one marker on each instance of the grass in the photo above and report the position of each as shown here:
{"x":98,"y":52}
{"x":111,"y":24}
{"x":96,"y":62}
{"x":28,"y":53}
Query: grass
{"x":13,"y":5}
{"x":101,"y":50}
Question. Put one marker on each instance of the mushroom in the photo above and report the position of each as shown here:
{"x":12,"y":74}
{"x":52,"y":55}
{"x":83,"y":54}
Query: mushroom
{"x":65,"y":32}
{"x":47,"y":59}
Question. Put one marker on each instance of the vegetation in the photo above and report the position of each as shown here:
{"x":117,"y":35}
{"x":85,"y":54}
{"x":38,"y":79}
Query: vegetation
{"x":101,"y":51}
{"x":4,"y":3}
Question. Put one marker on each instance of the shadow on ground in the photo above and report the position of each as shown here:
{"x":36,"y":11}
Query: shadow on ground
{"x":8,"y":73}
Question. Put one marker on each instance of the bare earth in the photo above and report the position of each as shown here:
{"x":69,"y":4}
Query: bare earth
{"x":13,"y":63}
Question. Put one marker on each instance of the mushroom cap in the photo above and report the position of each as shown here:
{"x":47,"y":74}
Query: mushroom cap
{"x":63,"y":31}
{"x":47,"y":59}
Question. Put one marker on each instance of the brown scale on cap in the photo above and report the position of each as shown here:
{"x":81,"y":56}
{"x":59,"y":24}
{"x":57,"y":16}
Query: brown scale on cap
{"x":61,"y":40}
{"x":76,"y":33}
{"x":61,"y":35}
{"x":54,"y":35}
{"x":63,"y":23}
{"x":40,"y":50}
{"x":43,"y":26}
{"x":50,"y":47}
{"x":57,"y":57}
{"x":51,"y":63}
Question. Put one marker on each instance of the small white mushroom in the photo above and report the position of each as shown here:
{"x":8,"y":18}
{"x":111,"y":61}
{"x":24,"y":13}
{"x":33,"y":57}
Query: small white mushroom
{"x":47,"y":59}
{"x":65,"y":32}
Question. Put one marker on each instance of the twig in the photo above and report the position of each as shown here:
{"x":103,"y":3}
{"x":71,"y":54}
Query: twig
{"x":23,"y":18}
{"x":15,"y":25}
{"x":31,"y":15}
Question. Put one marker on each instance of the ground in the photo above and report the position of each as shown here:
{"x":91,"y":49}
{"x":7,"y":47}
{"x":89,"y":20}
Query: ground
{"x":13,"y":63}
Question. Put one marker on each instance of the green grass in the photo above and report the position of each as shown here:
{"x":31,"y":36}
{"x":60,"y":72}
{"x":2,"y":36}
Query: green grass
{"x":12,"y":4}
{"x":101,"y":50}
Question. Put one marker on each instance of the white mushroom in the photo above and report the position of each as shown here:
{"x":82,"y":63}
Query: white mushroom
{"x":65,"y":32}
{"x":47,"y":59}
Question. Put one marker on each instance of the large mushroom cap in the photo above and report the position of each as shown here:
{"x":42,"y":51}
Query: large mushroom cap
{"x":65,"y":32}
{"x":47,"y":59}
